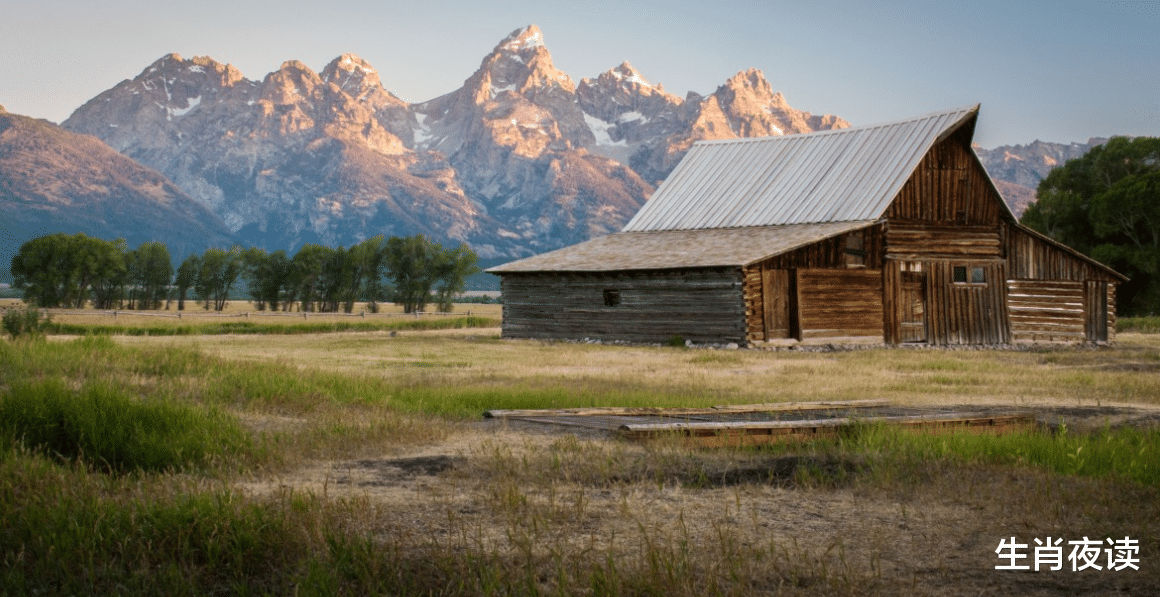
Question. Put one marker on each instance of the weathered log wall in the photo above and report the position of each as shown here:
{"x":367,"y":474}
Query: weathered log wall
{"x":1046,"y":310}
{"x":698,"y":305}
{"x":839,"y":303}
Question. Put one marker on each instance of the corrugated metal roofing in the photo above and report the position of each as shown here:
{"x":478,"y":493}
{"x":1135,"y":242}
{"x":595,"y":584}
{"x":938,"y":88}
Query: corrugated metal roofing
{"x":845,"y":175}
{"x":668,"y":249}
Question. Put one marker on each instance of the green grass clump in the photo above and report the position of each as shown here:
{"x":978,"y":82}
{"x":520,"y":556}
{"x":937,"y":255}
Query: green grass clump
{"x":1139,"y":325}
{"x":111,"y":431}
{"x":1126,"y":454}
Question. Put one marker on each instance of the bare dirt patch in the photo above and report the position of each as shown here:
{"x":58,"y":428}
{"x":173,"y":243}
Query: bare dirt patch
{"x":549,"y":490}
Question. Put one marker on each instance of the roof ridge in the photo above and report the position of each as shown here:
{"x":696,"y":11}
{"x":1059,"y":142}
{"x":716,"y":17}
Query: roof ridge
{"x":853,"y":129}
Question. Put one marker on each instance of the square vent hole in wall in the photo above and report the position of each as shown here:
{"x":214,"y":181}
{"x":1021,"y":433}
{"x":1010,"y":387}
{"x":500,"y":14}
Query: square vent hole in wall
{"x":611,"y":297}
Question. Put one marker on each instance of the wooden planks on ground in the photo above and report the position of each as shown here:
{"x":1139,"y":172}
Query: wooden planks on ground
{"x":602,"y":411}
{"x":754,"y":433}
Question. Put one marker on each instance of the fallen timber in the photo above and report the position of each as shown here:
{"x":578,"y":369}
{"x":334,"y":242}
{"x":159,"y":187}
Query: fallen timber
{"x":758,"y":424}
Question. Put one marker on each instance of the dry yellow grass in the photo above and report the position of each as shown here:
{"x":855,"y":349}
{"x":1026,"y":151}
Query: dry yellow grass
{"x":194,"y":314}
{"x":1126,"y":374}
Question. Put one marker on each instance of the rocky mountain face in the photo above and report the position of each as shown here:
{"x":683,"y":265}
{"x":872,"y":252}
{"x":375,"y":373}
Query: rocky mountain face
{"x":1017,"y":169}
{"x":55,"y":180}
{"x":519,"y":160}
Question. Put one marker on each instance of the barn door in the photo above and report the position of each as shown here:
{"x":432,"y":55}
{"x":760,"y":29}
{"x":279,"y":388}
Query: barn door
{"x":912,"y":307}
{"x":775,"y":294}
{"x":1095,"y":306}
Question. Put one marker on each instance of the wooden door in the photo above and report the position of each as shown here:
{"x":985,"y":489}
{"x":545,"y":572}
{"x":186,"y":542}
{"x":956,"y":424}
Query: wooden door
{"x":1095,"y":305}
{"x":912,"y":307}
{"x":775,"y":292}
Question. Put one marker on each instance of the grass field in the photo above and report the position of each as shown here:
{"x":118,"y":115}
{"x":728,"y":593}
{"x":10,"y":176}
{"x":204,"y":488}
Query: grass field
{"x":356,"y":462}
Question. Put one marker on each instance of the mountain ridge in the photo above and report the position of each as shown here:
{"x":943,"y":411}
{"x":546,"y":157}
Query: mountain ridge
{"x":518,"y":160}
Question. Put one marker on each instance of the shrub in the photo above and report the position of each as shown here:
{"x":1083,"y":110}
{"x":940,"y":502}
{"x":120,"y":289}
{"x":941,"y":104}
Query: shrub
{"x":28,"y":321}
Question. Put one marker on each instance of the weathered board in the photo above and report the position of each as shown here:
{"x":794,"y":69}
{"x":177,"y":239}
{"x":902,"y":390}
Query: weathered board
{"x":776,"y":432}
{"x":1046,"y":310}
{"x":704,"y":305}
{"x":1031,"y":257}
{"x":949,"y":186}
{"x":839,"y":303}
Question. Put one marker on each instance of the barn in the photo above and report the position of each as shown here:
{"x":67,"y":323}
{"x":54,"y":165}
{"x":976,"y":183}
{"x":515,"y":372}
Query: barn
{"x":890,"y":234}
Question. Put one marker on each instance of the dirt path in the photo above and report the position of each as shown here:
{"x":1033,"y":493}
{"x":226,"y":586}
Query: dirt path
{"x":587,"y":494}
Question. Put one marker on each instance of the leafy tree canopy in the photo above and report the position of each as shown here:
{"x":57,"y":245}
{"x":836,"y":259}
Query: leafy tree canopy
{"x":1107,"y":205}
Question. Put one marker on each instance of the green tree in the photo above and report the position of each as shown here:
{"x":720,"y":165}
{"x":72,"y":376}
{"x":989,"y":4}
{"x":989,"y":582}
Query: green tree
{"x":219,"y":270}
{"x":307,"y":275}
{"x":410,"y":268}
{"x":150,"y":270}
{"x":101,"y":266}
{"x":265,"y":275}
{"x":42,"y":268}
{"x":59,"y":270}
{"x":451,"y":271}
{"x":372,"y":253}
{"x":416,"y":266}
{"x":186,"y":278}
{"x":1106,"y":204}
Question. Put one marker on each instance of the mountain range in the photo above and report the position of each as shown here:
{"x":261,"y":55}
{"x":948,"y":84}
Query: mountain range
{"x":519,"y":160}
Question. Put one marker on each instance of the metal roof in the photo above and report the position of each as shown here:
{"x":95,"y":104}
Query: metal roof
{"x":670,"y":249}
{"x":845,"y":175}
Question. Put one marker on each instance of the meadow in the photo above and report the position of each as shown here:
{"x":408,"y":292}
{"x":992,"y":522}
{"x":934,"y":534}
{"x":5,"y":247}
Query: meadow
{"x":332,"y":461}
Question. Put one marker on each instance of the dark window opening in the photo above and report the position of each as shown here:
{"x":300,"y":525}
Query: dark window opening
{"x":611,"y":298}
{"x":973,"y":275}
{"x":855,"y":250}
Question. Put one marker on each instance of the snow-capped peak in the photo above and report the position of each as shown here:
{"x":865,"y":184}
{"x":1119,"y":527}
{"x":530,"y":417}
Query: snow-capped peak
{"x":529,"y":37}
{"x":625,"y":72}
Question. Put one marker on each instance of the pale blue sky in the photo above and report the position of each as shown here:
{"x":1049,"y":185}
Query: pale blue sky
{"x":1055,"y":71}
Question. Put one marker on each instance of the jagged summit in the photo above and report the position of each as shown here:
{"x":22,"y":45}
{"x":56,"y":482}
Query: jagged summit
{"x":520,"y":40}
{"x":351,"y":73}
{"x":625,"y":72}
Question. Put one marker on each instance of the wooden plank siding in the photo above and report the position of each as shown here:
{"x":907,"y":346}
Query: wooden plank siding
{"x":830,"y":253}
{"x":839,"y":303}
{"x":949,"y":186}
{"x":1031,"y":258}
{"x":966,"y":313}
{"x":705,"y":305}
{"x":908,"y":240}
{"x":1046,"y":310}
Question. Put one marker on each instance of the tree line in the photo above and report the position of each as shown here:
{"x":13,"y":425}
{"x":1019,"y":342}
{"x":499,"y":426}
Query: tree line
{"x":60,"y":270}
{"x":1106,"y":204}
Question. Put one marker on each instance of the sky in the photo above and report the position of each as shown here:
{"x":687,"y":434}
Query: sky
{"x":1053,"y":71}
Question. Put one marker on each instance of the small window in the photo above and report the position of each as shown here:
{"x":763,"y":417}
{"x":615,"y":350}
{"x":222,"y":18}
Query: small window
{"x":611,"y":297}
{"x":855,"y":250}
{"x":973,"y":275}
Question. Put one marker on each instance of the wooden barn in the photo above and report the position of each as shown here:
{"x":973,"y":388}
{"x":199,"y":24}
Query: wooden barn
{"x":891,"y":233}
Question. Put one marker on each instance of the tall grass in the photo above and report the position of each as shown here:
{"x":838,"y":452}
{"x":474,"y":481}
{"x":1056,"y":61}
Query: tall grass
{"x":1139,"y":325}
{"x":1125,"y":454}
{"x":112,"y":431}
